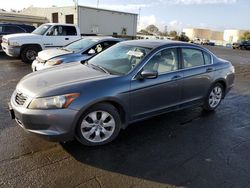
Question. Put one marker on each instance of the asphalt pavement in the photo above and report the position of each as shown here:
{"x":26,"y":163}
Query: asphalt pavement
{"x":188,"y":148}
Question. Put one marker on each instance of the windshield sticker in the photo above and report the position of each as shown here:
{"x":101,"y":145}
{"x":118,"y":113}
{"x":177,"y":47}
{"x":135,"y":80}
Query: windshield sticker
{"x":134,"y":53}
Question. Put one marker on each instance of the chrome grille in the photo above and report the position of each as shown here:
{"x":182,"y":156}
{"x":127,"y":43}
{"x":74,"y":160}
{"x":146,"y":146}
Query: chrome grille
{"x":20,"y":98}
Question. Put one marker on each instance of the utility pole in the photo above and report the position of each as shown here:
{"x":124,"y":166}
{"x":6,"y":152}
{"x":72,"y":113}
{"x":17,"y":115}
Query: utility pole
{"x":97,"y":4}
{"x":76,"y":3}
{"x":139,"y":17}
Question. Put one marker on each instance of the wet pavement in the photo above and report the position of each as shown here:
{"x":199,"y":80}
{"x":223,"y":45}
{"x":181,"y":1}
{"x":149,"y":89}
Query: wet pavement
{"x":188,"y":148}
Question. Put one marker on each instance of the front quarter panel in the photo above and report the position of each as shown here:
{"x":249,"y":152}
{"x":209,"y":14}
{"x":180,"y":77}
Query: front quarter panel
{"x":113,"y":90}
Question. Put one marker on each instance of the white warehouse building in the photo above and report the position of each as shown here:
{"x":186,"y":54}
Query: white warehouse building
{"x":233,"y":35}
{"x":90,"y":20}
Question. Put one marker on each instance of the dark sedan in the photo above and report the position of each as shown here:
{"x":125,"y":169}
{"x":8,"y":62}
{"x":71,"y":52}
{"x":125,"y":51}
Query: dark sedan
{"x":80,"y":50}
{"x":244,"y":45}
{"x":10,"y":28}
{"x":128,"y":82}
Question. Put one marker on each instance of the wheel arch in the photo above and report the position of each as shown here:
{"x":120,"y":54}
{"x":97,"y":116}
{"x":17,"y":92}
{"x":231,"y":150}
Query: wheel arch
{"x":31,"y":44}
{"x":122,"y":110}
{"x":223,"y":82}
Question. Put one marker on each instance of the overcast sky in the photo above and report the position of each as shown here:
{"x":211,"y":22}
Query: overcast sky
{"x":175,"y":14}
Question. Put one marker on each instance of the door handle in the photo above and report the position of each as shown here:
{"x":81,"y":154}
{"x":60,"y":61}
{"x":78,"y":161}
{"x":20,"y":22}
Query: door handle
{"x":210,"y":69}
{"x":176,"y":77}
{"x":66,"y":38}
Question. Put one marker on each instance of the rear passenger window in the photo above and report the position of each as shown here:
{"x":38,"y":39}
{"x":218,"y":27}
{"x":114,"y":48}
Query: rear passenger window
{"x":69,"y":30}
{"x":192,"y":57}
{"x":207,"y":58}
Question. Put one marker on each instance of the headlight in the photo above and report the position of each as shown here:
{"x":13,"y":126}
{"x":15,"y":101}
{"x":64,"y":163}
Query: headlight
{"x":4,"y":40}
{"x":55,"y":102}
{"x":56,"y":62}
{"x":11,"y":43}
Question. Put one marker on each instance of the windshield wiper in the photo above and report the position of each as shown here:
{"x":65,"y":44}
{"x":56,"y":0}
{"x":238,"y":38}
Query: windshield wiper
{"x":66,"y":49}
{"x":98,"y":67}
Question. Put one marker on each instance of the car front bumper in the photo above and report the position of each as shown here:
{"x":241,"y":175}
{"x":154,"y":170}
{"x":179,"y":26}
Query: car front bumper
{"x":36,"y":66}
{"x":13,"y":51}
{"x":53,"y":125}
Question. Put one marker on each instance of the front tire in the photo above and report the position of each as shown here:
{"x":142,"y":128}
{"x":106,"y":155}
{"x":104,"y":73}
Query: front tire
{"x":99,"y":125}
{"x":29,"y":53}
{"x":242,"y":48}
{"x":214,"y":97}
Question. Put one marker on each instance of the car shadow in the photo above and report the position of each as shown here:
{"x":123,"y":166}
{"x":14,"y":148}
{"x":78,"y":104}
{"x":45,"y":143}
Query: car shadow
{"x":158,"y":149}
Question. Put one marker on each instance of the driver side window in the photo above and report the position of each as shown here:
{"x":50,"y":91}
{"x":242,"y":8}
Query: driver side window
{"x":163,"y":62}
{"x":56,"y":31}
{"x":103,"y":46}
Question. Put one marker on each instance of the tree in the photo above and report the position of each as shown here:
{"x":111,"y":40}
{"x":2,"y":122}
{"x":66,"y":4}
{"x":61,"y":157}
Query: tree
{"x":152,"y":29}
{"x":144,"y":32}
{"x":245,"y":36}
{"x":173,"y":34}
{"x":163,"y":34}
{"x":182,"y":37}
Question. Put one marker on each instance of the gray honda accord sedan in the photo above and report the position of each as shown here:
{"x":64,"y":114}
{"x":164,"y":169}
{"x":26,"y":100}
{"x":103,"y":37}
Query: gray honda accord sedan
{"x":133,"y":80}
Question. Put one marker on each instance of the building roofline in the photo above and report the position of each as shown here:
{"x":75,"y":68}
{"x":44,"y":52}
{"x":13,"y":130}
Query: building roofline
{"x":109,"y":10}
{"x":12,"y":14}
{"x":87,"y":7}
{"x":7,"y":17}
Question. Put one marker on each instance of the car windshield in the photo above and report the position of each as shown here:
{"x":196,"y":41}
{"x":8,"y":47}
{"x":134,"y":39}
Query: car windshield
{"x":80,"y":45}
{"x":119,"y":59}
{"x":41,"y":30}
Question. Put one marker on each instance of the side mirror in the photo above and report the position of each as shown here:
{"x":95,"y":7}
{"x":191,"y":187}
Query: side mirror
{"x":148,"y":74}
{"x":91,"y":52}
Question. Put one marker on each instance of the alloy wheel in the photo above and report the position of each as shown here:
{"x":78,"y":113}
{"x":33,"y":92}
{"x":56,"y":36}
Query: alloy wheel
{"x":97,"y":126}
{"x":215,"y":97}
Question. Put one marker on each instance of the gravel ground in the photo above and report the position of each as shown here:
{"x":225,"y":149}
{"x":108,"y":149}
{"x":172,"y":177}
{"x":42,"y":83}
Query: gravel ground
{"x":180,"y":149}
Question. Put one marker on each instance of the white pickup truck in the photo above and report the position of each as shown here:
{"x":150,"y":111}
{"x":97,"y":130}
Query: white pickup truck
{"x":50,"y":35}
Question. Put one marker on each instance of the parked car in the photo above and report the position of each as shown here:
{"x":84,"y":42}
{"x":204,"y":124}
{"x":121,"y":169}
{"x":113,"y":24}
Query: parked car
{"x":204,"y":42}
{"x":235,"y":45}
{"x":45,"y":36}
{"x":207,"y":42}
{"x":130,"y":81}
{"x":11,"y":28}
{"x":244,"y":45}
{"x":197,"y":41}
{"x":80,"y":50}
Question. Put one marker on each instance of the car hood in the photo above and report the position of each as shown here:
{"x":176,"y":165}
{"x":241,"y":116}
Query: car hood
{"x":21,"y":36}
{"x":45,"y":82}
{"x":52,"y":53}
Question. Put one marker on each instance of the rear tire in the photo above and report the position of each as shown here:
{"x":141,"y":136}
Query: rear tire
{"x":29,"y":53}
{"x":214,"y":97}
{"x":99,"y":125}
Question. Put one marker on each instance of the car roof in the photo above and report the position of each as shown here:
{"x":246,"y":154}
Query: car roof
{"x":18,"y":24}
{"x":147,"y":43}
{"x":63,"y":24}
{"x":99,"y":38}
